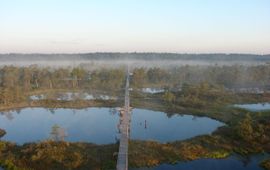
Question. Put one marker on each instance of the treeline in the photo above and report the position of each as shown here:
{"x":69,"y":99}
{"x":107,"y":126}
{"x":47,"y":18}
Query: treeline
{"x":16,"y":82}
{"x":235,"y":76}
{"x":198,"y":96}
{"x":134,"y":56}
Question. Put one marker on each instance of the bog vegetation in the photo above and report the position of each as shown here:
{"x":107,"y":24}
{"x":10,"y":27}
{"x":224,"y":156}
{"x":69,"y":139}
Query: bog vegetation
{"x":198,"y":90}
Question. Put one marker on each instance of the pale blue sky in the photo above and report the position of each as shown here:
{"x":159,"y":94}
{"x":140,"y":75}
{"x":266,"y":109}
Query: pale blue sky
{"x":184,"y":26}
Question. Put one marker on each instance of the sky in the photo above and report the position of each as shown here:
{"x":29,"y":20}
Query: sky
{"x":179,"y":26}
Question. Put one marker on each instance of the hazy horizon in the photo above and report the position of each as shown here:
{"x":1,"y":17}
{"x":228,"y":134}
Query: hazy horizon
{"x":135,"y":52}
{"x":194,"y":26}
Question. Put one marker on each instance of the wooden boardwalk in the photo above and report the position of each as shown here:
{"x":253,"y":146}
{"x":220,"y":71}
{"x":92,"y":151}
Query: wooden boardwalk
{"x":122,"y":160}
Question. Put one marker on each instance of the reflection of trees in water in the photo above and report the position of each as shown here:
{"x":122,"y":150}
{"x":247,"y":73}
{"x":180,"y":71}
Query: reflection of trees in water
{"x":8,"y":115}
{"x":2,"y":133}
{"x":18,"y":111}
{"x":51,"y":110}
{"x":74,"y":111}
{"x":169,"y":114}
{"x":245,"y":160}
{"x":194,"y":118}
{"x":113,"y":111}
{"x":58,"y":133}
{"x":117,"y":138}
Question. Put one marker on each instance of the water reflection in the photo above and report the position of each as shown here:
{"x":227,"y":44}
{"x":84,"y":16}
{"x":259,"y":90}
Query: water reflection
{"x":8,"y":115}
{"x":153,"y":125}
{"x":113,"y":111}
{"x":2,"y":133}
{"x":254,"y":107}
{"x":100,"y":125}
{"x":233,"y":162}
{"x":58,"y":133}
{"x":95,"y":125}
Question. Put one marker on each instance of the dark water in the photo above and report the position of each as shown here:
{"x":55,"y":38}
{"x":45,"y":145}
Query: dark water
{"x":99,"y":125}
{"x":153,"y":125}
{"x":96,"y":125}
{"x":230,"y":163}
{"x":255,"y":107}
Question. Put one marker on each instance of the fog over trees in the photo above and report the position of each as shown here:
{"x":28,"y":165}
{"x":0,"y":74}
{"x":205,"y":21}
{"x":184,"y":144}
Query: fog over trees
{"x":135,"y":59}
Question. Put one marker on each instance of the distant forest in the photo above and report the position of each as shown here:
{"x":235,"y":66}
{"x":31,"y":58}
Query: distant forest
{"x":135,"y":56}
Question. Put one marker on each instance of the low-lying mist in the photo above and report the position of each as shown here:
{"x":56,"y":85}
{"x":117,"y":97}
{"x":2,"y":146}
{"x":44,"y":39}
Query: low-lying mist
{"x":148,"y":60}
